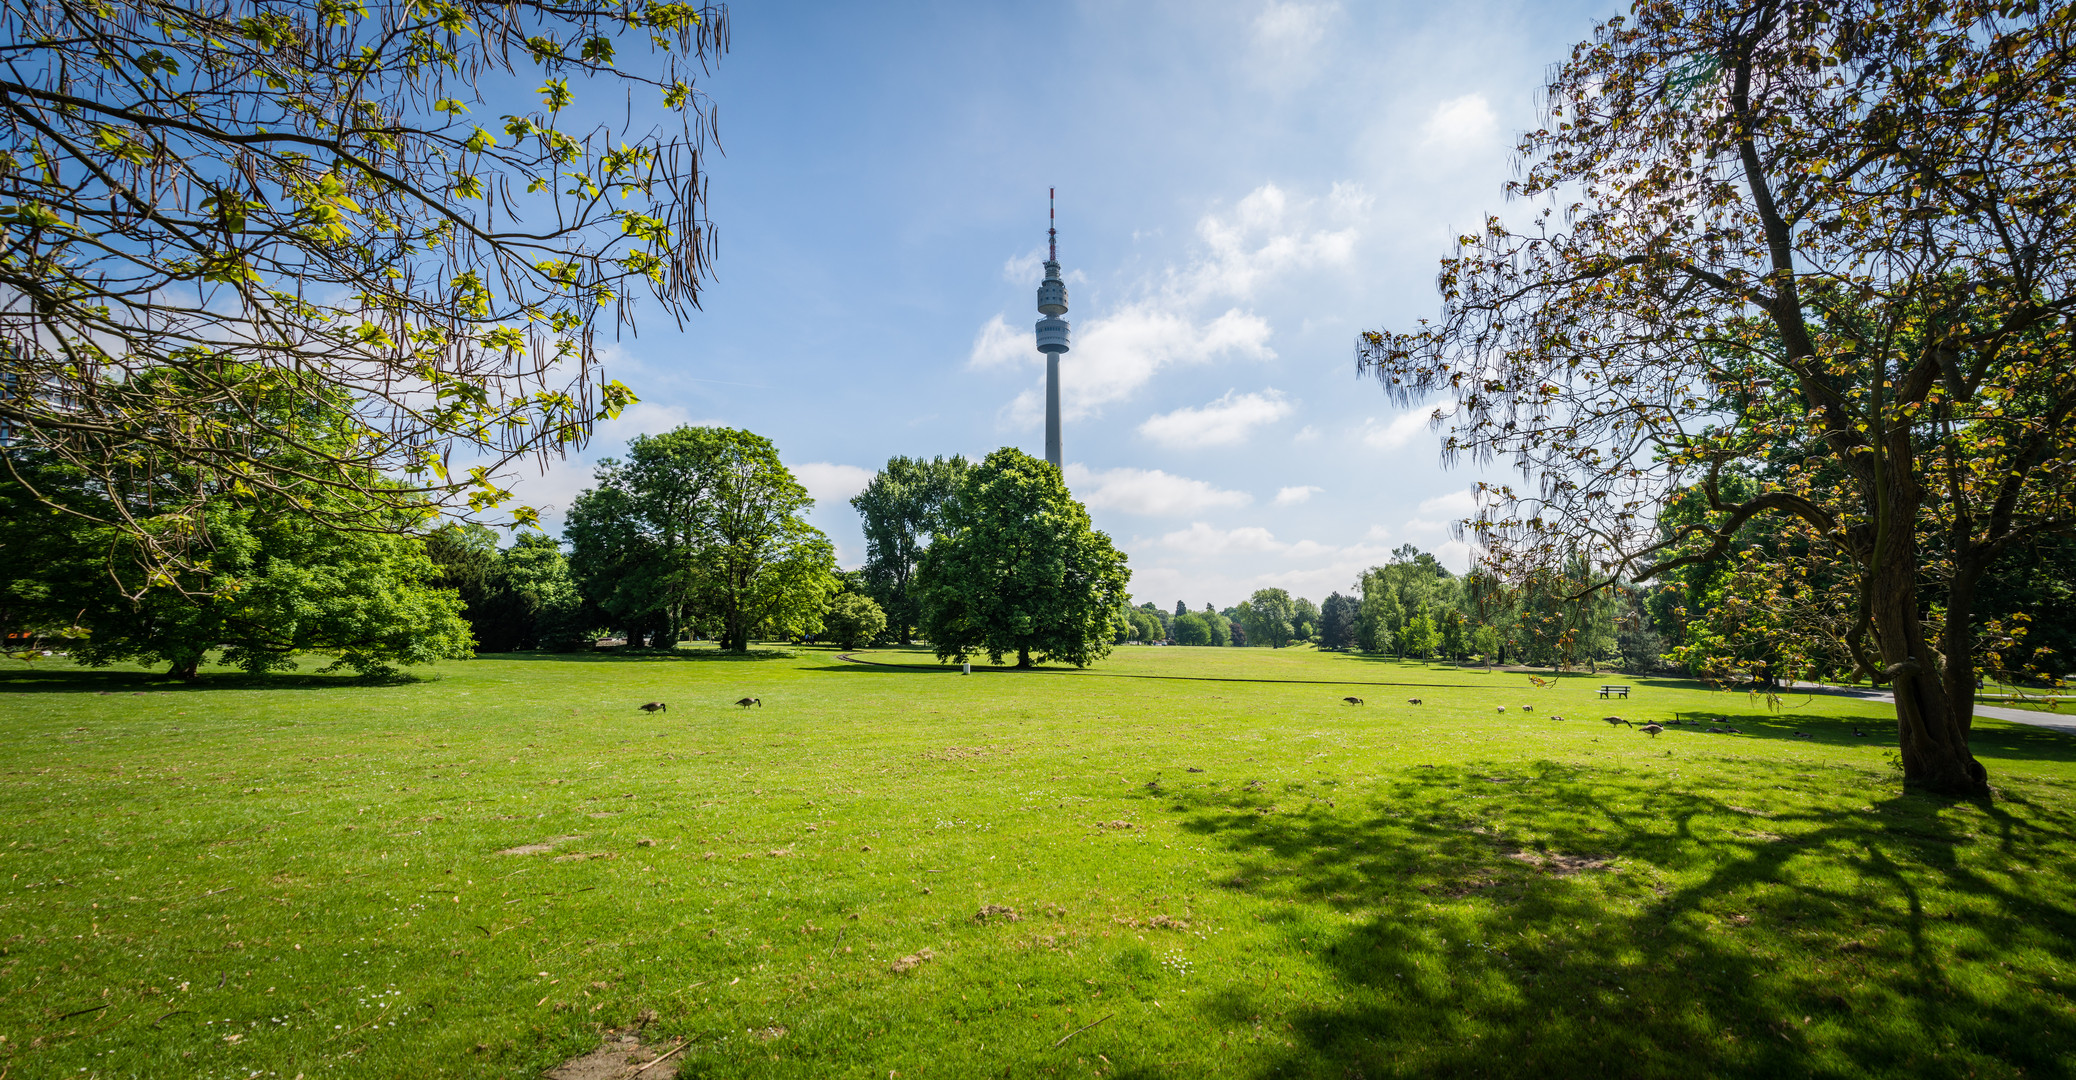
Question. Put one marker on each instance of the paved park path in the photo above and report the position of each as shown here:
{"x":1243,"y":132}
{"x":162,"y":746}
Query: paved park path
{"x":2051,"y":721}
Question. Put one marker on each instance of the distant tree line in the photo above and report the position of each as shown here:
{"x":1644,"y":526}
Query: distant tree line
{"x":1415,"y":608}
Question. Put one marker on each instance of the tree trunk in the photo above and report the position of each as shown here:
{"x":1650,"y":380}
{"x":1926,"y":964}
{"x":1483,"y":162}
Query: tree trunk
{"x":185,"y":669}
{"x":1023,"y":658}
{"x":1931,"y":722}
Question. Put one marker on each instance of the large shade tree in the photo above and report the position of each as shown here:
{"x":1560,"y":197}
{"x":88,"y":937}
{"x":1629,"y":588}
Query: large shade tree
{"x":700,"y":523}
{"x":419,"y":208}
{"x":1836,"y":237}
{"x":275,"y":582}
{"x":1018,"y":570}
{"x":1269,"y":618}
{"x":903,"y":510}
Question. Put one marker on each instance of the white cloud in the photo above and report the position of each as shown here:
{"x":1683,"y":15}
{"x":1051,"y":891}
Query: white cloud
{"x":1454,"y":554}
{"x":1000,"y":345}
{"x":1306,"y":568}
{"x":1223,"y":422}
{"x":1025,"y":269}
{"x":1293,"y":25}
{"x":1148,"y":491}
{"x":1456,"y":504}
{"x":1460,"y":123}
{"x":1115,"y":355}
{"x":1285,"y":41}
{"x":1397,"y":433}
{"x":1441,"y":513}
{"x":830,"y":484}
{"x":1306,"y":434}
{"x":1267,"y":235}
{"x":1203,"y":540}
{"x":1291,"y":496}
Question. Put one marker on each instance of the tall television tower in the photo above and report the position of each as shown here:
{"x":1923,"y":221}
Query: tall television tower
{"x":1052,"y":330}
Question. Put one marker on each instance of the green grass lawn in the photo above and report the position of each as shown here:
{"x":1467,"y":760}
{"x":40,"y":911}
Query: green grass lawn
{"x":891,"y":873}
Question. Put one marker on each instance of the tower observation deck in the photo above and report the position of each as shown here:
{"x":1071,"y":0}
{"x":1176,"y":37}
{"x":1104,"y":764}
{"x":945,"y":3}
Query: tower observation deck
{"x":1052,"y":332}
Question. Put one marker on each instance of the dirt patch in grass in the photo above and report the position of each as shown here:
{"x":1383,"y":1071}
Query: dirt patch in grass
{"x":1558,"y":864}
{"x":1457,"y":890}
{"x":1157,"y":922}
{"x":914,"y":960}
{"x":544,"y":846}
{"x":623,"y":1055}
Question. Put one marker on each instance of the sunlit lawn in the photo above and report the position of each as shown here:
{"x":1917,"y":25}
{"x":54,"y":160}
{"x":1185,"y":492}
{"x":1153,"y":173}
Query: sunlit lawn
{"x":1205,"y":853}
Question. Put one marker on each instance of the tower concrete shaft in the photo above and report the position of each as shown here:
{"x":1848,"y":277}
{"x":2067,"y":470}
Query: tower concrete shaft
{"x":1052,"y":409}
{"x":1052,"y":338}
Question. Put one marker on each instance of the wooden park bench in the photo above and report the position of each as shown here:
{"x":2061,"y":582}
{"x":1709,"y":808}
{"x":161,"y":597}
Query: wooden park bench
{"x":1614,"y":691}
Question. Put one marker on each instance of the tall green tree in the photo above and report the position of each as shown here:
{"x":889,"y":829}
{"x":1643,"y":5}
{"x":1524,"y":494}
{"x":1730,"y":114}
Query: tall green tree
{"x":633,"y":536}
{"x":701,"y":523}
{"x":903,"y":510}
{"x":355,"y":201}
{"x":1269,"y":613}
{"x":854,"y":620}
{"x":1019,"y":569}
{"x":1847,"y":229}
{"x":519,"y":598}
{"x":1419,"y":637}
{"x":1337,"y":622}
{"x":1304,"y":619}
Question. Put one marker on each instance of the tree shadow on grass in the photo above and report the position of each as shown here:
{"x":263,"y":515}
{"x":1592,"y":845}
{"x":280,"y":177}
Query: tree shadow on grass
{"x":624,"y":655}
{"x":72,"y":679}
{"x":1549,"y":920}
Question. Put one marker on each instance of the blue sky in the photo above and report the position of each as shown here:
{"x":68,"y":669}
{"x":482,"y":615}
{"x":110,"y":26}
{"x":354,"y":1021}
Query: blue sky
{"x":1242,"y":188}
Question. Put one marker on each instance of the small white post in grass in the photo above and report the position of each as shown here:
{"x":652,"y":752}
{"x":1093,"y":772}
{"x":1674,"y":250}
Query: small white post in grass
{"x":966,"y":667}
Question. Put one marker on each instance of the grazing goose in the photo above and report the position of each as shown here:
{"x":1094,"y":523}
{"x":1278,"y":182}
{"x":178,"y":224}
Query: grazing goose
{"x":1613,"y":720}
{"x":749,"y":701}
{"x":655,"y":706}
{"x":1651,"y":729}
{"x":1352,"y":700}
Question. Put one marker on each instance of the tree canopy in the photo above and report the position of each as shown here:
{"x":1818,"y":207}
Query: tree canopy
{"x":276,"y":582}
{"x":701,"y":523}
{"x":1019,"y":570}
{"x":521,"y":597}
{"x":903,"y":510}
{"x":310,"y":193}
{"x":1268,"y":618}
{"x":853,"y":620}
{"x":1829,"y":242}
